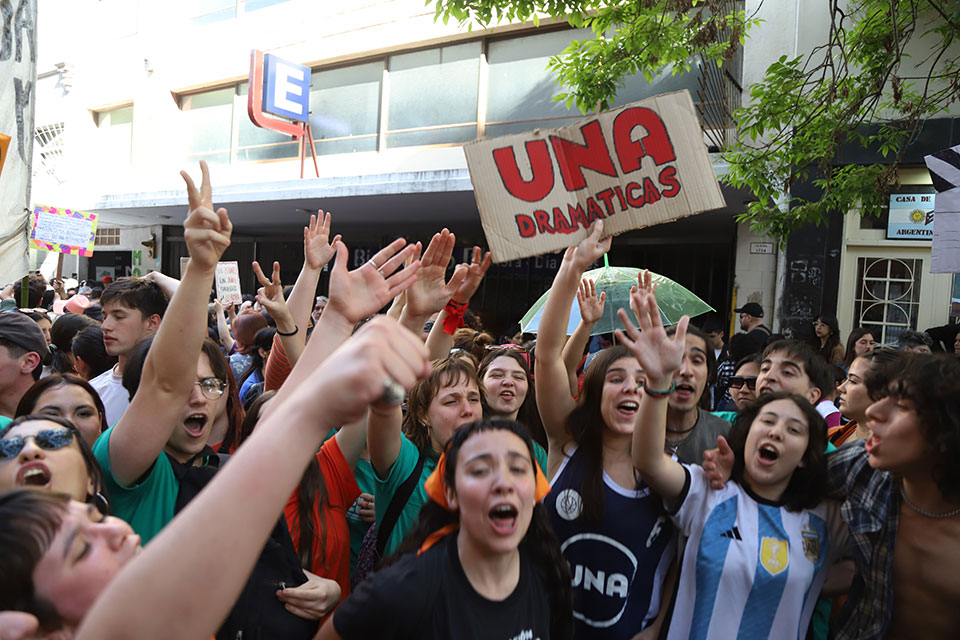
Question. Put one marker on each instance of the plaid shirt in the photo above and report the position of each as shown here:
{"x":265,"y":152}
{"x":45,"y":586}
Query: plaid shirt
{"x":871,"y":508}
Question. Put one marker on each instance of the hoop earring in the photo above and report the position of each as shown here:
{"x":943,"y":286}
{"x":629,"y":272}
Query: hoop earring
{"x":101,"y":503}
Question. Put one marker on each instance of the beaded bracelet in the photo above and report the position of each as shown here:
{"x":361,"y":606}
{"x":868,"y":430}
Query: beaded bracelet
{"x":659,"y":394}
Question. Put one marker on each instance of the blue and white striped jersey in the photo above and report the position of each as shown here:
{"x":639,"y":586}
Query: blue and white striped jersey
{"x":751,"y":569}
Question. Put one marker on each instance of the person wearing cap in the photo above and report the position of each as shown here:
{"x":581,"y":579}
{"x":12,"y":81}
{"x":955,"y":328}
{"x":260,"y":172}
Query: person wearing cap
{"x":751,"y":322}
{"x":21,"y":359}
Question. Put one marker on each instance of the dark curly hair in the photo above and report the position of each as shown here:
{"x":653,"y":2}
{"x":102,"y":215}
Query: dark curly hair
{"x":808,"y":485}
{"x":932,"y":383}
{"x":539,"y":543}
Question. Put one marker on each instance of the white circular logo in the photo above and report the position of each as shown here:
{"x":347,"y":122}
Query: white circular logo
{"x":569,"y":504}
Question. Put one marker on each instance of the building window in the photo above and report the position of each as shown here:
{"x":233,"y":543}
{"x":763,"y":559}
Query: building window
{"x":107,"y":237}
{"x":438,"y":96}
{"x":116,"y":136}
{"x":433,"y":96}
{"x":345,"y":106}
{"x":207,"y":120}
{"x":516,"y":107}
{"x":888,"y":296}
{"x":255,"y":143}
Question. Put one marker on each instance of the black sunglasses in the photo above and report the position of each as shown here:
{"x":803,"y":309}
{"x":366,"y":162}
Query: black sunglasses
{"x":738,"y":381}
{"x":49,"y":439}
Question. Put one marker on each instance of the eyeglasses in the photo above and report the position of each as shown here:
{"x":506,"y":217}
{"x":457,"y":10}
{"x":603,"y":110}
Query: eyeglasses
{"x":738,"y":381}
{"x":211,"y":388}
{"x":49,"y":439}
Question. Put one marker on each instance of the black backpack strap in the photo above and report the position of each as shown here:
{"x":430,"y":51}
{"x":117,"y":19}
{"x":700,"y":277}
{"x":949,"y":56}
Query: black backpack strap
{"x":399,"y":501}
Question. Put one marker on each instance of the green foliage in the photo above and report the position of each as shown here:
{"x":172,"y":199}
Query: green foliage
{"x":860,"y":88}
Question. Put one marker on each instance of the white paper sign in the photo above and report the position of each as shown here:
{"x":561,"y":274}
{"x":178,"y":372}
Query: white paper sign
{"x":946,"y":233}
{"x":228,"y":283}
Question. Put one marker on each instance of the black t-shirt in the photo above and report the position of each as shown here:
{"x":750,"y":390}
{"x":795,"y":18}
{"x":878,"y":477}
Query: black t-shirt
{"x":429,"y":596}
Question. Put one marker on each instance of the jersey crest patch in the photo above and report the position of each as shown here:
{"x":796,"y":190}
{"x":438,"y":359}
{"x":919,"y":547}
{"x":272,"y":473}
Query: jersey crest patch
{"x":811,"y":545}
{"x":569,"y":504}
{"x":774,"y":555}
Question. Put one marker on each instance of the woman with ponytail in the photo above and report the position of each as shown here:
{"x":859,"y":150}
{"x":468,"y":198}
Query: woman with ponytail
{"x":481,"y":561}
{"x":61,"y":341}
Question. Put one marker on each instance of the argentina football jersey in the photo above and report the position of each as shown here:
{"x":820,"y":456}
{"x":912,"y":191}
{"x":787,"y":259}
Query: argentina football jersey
{"x":751,"y":568}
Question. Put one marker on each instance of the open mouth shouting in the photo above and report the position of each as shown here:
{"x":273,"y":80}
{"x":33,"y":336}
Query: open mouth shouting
{"x":628,"y":408}
{"x":767,"y":455}
{"x":684,"y":391}
{"x":504,"y":518}
{"x":34,"y":474}
{"x":195,"y":424}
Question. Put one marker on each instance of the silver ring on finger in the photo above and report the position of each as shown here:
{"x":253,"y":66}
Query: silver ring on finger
{"x":393,"y":392}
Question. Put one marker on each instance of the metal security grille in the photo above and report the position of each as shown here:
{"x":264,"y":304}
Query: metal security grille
{"x":888,"y":296}
{"x":49,"y":150}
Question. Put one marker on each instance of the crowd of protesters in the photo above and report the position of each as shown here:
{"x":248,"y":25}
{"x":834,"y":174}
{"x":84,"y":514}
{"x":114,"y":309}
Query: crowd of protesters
{"x":370,"y":463}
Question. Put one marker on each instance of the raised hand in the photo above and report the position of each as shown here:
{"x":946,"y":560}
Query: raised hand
{"x":360,"y":293}
{"x":354,"y":376}
{"x":590,"y":249}
{"x":659,"y":355}
{"x":644,"y":284}
{"x":318,"y":249}
{"x":270,"y":294}
{"x":718,"y":463}
{"x":591,"y":305}
{"x":474,"y":276}
{"x":206,"y":233}
{"x":432,"y":290}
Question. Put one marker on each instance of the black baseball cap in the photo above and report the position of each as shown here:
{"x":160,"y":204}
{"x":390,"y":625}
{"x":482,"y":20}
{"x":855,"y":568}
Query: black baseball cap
{"x":23,"y":332}
{"x":751,"y":308}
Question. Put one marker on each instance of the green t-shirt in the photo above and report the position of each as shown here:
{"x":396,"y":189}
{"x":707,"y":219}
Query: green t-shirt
{"x":386,"y":488}
{"x":147,"y":506}
{"x":4,"y":421}
{"x":366,"y":479}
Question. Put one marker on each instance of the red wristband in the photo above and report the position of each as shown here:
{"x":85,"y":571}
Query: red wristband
{"x":454,"y":319}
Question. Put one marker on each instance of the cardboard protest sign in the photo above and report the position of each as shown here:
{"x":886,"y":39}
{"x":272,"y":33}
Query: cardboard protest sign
{"x":4,"y":146}
{"x":636,"y":166}
{"x":944,"y":167}
{"x":226,"y":279}
{"x":228,"y":283}
{"x":63,"y":230}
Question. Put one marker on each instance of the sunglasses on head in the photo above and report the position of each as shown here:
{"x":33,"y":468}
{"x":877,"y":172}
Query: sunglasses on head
{"x":738,"y":381}
{"x":49,"y":439}
{"x":505,"y":347}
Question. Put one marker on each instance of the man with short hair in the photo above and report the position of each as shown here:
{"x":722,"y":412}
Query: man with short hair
{"x":751,"y":322}
{"x":791,"y":365}
{"x":918,"y":341}
{"x":132,"y":310}
{"x":22,"y":349}
{"x":691,"y":428}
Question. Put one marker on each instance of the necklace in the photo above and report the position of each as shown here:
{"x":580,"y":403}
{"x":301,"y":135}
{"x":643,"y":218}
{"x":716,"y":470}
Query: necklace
{"x":924,"y":512}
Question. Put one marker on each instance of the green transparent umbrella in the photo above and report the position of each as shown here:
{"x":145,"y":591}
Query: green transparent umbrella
{"x":674,"y":300}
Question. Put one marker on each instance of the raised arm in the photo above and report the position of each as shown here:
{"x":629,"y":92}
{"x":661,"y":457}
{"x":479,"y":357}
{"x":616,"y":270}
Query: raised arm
{"x":223,"y":331}
{"x":432,"y":290}
{"x":201,"y":546}
{"x":440,"y":340}
{"x":270,"y":297}
{"x":659,"y":356}
{"x":171,"y":365}
{"x":591,"y":310}
{"x":354,"y":295}
{"x":553,"y":388}
{"x":318,"y":250}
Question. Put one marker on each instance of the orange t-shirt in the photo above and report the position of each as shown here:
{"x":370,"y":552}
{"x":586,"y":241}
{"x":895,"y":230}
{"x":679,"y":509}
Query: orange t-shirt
{"x":333,"y":561}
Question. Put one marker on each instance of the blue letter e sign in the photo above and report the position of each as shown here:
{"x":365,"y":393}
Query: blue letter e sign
{"x":286,"y":89}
